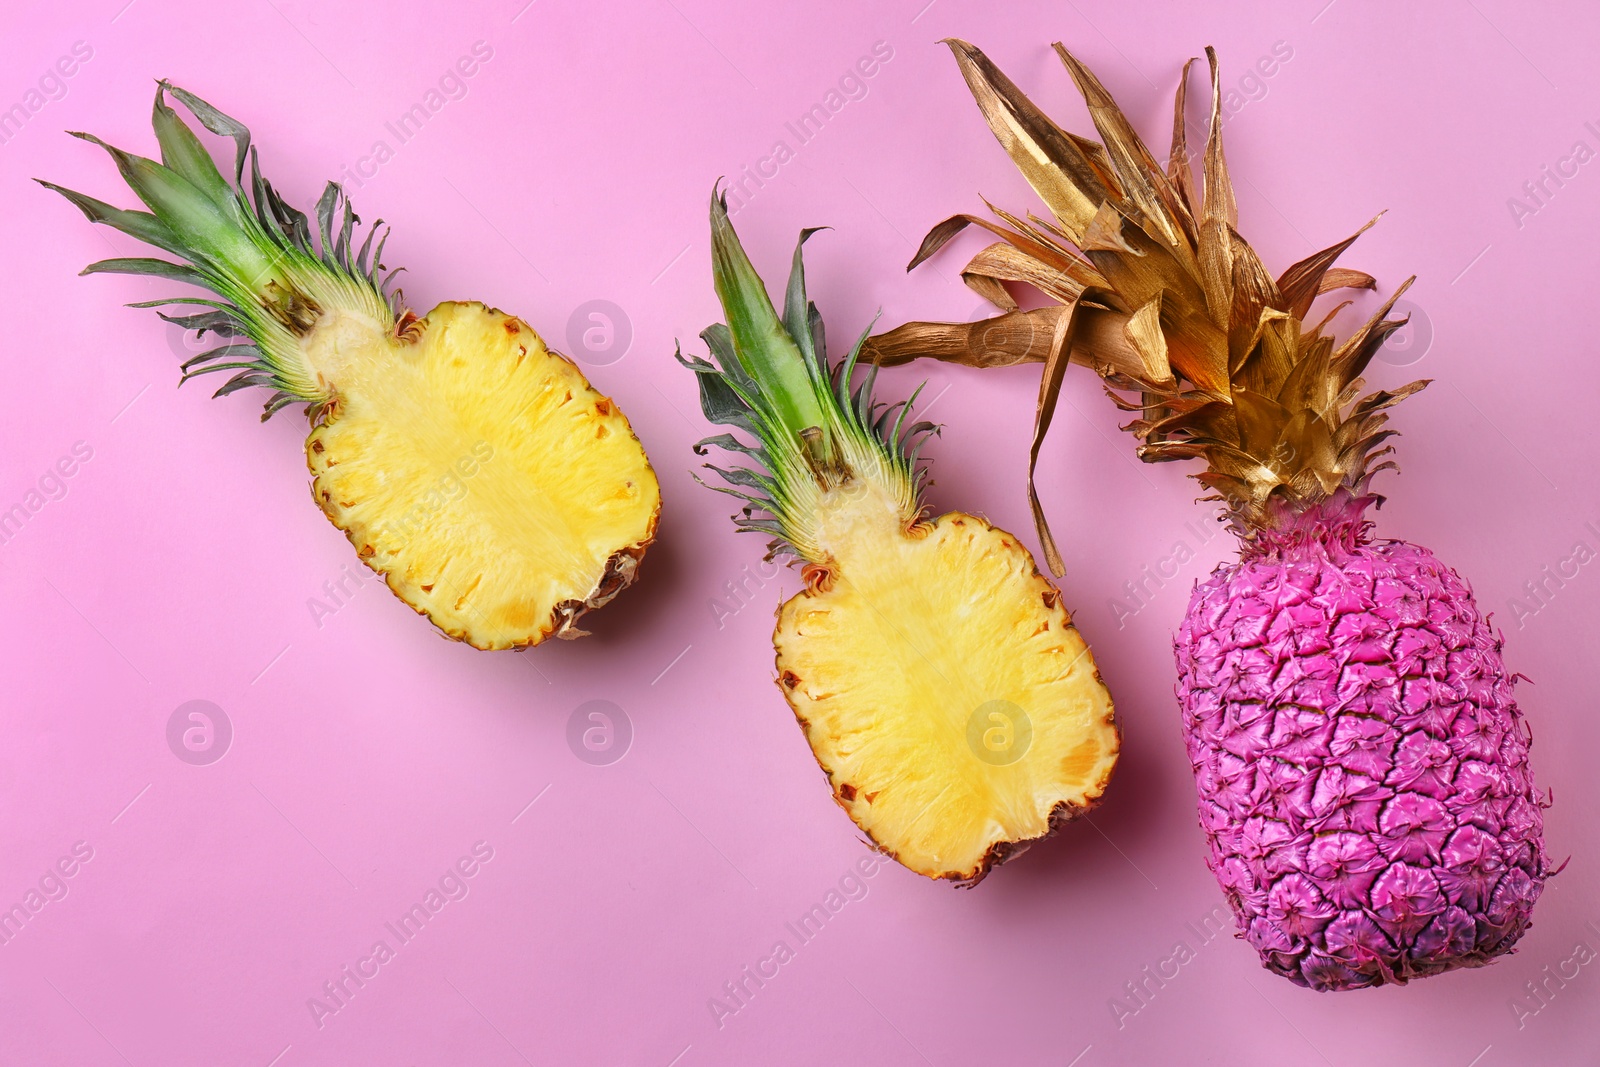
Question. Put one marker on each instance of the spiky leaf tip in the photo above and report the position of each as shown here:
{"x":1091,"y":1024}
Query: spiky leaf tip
{"x":274,"y":275}
{"x":813,"y":428}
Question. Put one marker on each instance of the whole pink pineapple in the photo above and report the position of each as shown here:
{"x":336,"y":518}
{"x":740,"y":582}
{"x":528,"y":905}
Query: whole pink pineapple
{"x":1361,"y":765}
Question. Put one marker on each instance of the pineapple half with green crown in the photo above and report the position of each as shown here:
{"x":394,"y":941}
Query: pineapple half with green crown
{"x":493,"y":488}
{"x":941,"y":684}
{"x":1359,"y":757}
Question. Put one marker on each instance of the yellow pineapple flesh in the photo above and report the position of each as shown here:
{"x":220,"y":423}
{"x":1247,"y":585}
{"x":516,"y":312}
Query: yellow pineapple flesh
{"x":946,"y":693}
{"x":492,"y":486}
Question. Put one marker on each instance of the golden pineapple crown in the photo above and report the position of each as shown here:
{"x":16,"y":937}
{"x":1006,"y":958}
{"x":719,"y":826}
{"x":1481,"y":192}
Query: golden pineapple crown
{"x":1159,"y":294}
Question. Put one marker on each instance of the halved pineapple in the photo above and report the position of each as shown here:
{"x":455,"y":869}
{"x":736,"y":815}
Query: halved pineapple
{"x":493,"y":487}
{"x":940,"y":683}
{"x":947,"y":695}
{"x":497,"y":493}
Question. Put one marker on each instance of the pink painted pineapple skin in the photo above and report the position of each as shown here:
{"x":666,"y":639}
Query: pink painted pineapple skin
{"x":1361,"y":763}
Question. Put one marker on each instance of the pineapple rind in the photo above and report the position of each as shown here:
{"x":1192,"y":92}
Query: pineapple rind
{"x":496,"y":491}
{"x":885,"y":668}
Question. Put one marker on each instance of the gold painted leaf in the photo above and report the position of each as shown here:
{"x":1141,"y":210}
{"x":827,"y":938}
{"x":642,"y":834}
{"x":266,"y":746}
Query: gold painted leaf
{"x":1052,"y":163}
{"x":1178,"y":171}
{"x":1144,"y":186}
{"x":1003,"y":261}
{"x":1303,"y":282}
{"x":1144,"y":333}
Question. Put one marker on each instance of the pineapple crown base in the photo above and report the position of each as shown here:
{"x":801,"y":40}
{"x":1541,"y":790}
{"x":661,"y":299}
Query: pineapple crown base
{"x":1335,"y":526}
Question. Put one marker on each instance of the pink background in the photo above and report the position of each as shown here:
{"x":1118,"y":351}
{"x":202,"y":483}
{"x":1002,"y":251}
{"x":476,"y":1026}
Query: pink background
{"x":369,"y":755}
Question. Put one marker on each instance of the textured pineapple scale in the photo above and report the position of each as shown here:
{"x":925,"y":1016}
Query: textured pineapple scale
{"x":1361,"y":764}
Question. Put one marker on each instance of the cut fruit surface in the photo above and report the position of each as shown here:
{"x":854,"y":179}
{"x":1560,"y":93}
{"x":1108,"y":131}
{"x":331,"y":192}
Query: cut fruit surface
{"x":947,"y":695}
{"x":942,"y":687}
{"x":496,"y":491}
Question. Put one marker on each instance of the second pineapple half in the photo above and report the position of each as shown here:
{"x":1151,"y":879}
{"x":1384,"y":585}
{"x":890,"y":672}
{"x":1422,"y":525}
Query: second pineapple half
{"x":495,"y":490}
{"x":942,"y":686}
